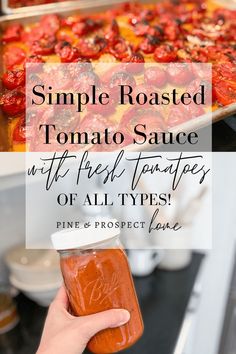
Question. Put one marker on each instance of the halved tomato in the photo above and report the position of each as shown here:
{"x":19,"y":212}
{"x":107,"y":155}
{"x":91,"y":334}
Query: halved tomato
{"x":85,"y":26}
{"x":151,"y":118}
{"x":181,"y":114}
{"x":155,"y":76}
{"x":13,"y":102}
{"x":67,"y":52}
{"x":179,"y":73}
{"x":14,"y":56}
{"x":44,"y":46}
{"x":165,"y":54}
{"x":149,"y":44}
{"x":13,"y":78}
{"x":225,"y":94}
{"x":88,"y":49}
{"x":177,"y":115}
{"x":120,"y":49}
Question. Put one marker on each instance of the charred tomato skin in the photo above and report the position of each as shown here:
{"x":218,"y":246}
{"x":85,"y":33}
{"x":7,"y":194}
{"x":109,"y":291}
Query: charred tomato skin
{"x":13,"y":102}
{"x":165,"y":54}
{"x":13,"y":78}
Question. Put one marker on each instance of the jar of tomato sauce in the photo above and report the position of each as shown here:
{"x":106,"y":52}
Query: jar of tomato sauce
{"x":97,"y":278}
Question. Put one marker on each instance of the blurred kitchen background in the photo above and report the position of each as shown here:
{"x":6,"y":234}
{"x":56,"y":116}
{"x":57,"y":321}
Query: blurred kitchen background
{"x":188,"y":298}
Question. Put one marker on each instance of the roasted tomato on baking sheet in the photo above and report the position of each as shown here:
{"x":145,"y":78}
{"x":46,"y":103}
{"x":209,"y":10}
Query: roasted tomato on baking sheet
{"x":182,"y":31}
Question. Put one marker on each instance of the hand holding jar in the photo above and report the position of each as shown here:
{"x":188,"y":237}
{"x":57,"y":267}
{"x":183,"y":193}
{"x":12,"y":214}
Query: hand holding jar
{"x":64,"y":333}
{"x":97,"y":278}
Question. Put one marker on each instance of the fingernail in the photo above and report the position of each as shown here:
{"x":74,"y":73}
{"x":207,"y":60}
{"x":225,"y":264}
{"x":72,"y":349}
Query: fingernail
{"x":124,"y":317}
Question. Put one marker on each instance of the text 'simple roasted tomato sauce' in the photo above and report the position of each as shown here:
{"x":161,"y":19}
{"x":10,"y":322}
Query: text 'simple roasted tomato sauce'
{"x":98,"y":279}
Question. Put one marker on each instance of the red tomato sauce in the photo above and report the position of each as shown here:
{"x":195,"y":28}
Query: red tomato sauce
{"x":99,"y":280}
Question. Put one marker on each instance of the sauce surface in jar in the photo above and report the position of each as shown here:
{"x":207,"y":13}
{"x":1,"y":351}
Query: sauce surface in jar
{"x":97,"y":280}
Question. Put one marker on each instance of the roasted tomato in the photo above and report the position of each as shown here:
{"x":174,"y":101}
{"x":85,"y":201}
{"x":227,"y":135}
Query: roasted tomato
{"x":67,"y":52}
{"x":135,"y":63}
{"x":19,"y":132}
{"x":177,"y":115}
{"x":13,"y":79}
{"x":59,"y":78}
{"x":33,"y":34}
{"x":13,"y":102}
{"x":113,"y":32}
{"x":60,"y":45}
{"x":65,"y":119}
{"x":155,"y":76}
{"x":179,"y":73}
{"x":225,"y":94}
{"x":105,"y":109}
{"x":80,"y":66}
{"x":216,"y":54}
{"x":12,"y":33}
{"x":101,"y":43}
{"x":86,"y":26}
{"x":120,"y":78}
{"x":197,"y":54}
{"x":63,"y":36}
{"x":34,"y":59}
{"x":142,"y":28}
{"x":50,"y":24}
{"x":181,"y":114}
{"x":171,"y":31}
{"x":44,"y":46}
{"x":85,"y":80}
{"x":201,"y":71}
{"x":120,"y":49}
{"x":106,"y":77}
{"x":149,"y":44}
{"x":134,"y":58}
{"x":165,"y":54}
{"x":69,"y":21}
{"x":14,"y":56}
{"x":178,"y":44}
{"x":143,"y":15}
{"x":226,"y":71}
{"x":194,"y":87}
{"x":149,"y":117}
{"x":221,"y":15}
{"x":88,"y":49}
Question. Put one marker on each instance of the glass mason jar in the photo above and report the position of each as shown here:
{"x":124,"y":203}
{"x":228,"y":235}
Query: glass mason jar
{"x":97,"y":278}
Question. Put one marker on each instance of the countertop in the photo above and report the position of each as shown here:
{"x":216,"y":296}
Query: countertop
{"x":223,"y":137}
{"x":163,"y":297}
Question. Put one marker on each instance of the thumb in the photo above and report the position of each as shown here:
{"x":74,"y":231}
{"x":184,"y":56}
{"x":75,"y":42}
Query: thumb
{"x":103,"y":320}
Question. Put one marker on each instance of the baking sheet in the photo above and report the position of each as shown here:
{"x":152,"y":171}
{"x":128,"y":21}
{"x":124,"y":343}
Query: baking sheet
{"x":50,"y":7}
{"x":7,"y":9}
{"x":86,"y":7}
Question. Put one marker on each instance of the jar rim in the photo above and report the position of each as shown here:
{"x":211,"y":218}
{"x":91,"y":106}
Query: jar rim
{"x":85,"y":237}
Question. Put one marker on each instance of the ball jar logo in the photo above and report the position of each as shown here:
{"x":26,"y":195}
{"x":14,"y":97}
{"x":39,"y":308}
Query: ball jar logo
{"x":99,"y":291}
